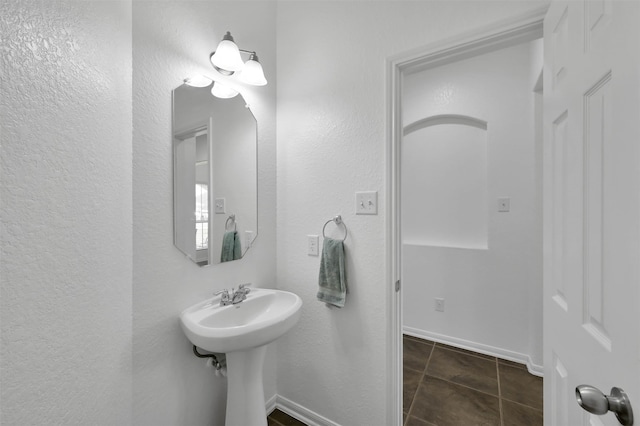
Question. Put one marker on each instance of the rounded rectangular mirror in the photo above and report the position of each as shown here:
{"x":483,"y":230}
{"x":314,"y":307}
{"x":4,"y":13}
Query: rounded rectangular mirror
{"x":215,"y":184}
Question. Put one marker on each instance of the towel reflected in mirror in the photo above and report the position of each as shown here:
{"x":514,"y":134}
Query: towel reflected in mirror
{"x":231,"y":248}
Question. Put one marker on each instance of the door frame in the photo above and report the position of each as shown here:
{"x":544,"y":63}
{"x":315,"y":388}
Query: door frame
{"x":502,"y":34}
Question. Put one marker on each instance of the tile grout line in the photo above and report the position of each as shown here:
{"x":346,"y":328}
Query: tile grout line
{"x":424,"y":372}
{"x":523,"y":404}
{"x":461,"y":384}
{"x":513,"y":401}
{"x":464,"y":386}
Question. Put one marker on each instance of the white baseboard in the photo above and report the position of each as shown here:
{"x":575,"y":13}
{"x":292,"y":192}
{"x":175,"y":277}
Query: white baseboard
{"x":505,"y":354}
{"x":270,"y":404}
{"x":297,"y":411}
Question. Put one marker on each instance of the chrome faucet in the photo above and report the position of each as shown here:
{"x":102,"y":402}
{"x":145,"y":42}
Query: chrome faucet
{"x":235,"y":297}
{"x":240,"y":294}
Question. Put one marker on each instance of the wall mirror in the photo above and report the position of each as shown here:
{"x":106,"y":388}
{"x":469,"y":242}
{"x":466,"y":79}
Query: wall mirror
{"x":215,"y":184}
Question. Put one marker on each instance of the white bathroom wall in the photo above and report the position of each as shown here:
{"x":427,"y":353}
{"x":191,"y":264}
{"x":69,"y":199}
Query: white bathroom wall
{"x":332,"y":143}
{"x":171,"y":41}
{"x":487,"y":290}
{"x":66,"y":262}
{"x":67,"y":172}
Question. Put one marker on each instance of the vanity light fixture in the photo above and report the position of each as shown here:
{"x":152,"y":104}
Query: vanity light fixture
{"x":227,"y":60}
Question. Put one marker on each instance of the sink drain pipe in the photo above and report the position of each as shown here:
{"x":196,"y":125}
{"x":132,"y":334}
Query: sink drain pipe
{"x":212,"y":360}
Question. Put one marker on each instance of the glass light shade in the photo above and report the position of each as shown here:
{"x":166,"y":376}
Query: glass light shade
{"x":198,"y":81}
{"x":252,"y":72}
{"x":227,"y":55}
{"x":221,"y":91}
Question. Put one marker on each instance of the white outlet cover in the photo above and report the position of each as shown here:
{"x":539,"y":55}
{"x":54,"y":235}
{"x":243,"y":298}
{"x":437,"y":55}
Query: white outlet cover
{"x":367,"y":202}
{"x":312,"y":245}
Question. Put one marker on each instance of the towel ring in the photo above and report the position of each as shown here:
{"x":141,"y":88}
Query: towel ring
{"x":338,"y":221}
{"x":231,"y":218}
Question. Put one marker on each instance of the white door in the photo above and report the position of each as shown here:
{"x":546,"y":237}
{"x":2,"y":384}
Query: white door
{"x":591,"y":205}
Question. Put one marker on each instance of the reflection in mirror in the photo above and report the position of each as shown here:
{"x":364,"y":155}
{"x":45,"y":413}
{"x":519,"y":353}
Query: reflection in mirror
{"x":215,"y":176}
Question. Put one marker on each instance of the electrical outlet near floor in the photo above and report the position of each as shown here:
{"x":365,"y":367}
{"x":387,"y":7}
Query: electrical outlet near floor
{"x":439,"y":304}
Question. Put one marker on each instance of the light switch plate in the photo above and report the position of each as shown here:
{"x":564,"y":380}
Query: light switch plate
{"x":219,"y":206}
{"x":367,"y":202}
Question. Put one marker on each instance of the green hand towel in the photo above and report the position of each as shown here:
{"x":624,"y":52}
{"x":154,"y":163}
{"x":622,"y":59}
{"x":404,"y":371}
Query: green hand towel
{"x":231,"y":249}
{"x":332,"y":280}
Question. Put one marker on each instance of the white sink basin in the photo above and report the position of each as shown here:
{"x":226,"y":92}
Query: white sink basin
{"x":242,"y":331}
{"x":264,"y":316}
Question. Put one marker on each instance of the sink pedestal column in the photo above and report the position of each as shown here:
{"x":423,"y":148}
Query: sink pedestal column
{"x":245,"y":391}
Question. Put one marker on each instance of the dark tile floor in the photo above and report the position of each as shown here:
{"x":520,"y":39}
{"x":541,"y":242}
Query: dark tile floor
{"x":446,"y":386}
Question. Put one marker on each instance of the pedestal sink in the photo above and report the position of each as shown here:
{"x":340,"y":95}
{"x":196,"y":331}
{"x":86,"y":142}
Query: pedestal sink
{"x":242,"y":332}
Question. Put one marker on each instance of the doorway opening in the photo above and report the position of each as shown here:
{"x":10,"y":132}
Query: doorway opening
{"x":447,"y":196}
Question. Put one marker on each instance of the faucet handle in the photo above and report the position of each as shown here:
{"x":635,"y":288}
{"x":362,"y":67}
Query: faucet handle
{"x":244,"y":290}
{"x":224,"y":300}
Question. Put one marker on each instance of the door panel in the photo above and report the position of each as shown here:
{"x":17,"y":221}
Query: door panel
{"x":591,"y":204}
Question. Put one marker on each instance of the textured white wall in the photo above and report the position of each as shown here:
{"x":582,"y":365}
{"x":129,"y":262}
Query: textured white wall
{"x":67,"y":151}
{"x":487,"y":291}
{"x":331,"y":143}
{"x":171,"y":41}
{"x":65,"y":116}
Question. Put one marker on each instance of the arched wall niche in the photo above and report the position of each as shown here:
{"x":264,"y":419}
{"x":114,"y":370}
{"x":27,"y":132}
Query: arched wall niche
{"x":444,"y":182}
